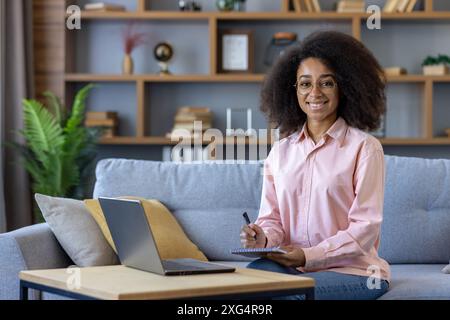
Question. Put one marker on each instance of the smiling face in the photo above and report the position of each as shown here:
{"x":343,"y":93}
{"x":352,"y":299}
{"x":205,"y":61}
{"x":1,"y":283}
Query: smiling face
{"x":317,"y":91}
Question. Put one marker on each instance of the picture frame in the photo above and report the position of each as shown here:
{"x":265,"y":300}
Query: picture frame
{"x":235,"y":51}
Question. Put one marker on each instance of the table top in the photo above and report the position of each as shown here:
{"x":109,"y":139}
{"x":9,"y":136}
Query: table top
{"x":120,"y":282}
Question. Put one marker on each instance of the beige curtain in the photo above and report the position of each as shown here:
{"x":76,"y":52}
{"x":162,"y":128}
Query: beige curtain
{"x":17,"y":83}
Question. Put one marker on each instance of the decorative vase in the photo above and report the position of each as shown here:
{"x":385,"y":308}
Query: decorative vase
{"x":127,"y":64}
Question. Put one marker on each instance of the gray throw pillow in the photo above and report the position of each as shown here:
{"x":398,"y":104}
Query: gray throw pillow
{"x":76,"y":231}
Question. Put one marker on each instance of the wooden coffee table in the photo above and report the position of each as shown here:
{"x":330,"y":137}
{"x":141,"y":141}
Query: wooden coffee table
{"x":123,"y":283}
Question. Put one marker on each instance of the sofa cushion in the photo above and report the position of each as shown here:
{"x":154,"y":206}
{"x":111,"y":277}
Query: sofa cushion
{"x":219,"y":234}
{"x":418,"y":282}
{"x":76,"y":231}
{"x":170,"y":238}
{"x":206,"y":198}
{"x":416,"y":221}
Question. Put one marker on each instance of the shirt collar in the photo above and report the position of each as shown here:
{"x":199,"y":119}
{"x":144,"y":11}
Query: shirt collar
{"x":336,"y":131}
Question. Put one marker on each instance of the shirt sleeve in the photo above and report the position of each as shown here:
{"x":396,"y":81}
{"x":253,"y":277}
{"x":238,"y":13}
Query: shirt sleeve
{"x":269,"y":213}
{"x":365,"y":217}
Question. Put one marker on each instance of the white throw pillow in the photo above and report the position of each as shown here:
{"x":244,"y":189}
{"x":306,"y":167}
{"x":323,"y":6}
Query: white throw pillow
{"x":76,"y":231}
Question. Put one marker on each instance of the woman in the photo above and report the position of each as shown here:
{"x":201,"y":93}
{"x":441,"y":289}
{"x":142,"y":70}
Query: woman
{"x":323,"y":187}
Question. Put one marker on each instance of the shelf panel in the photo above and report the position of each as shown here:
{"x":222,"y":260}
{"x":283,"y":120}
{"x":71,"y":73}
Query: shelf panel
{"x":73,"y":77}
{"x":86,"y":77}
{"x":414,"y":141}
{"x":154,"y":140}
{"x":417,"y":15}
{"x":147,"y":15}
{"x":408,"y":78}
{"x":445,"y":78}
{"x":329,"y":15}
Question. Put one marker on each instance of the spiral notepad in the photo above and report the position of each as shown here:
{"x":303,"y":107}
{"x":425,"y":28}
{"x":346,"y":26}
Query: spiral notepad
{"x":256,"y":252}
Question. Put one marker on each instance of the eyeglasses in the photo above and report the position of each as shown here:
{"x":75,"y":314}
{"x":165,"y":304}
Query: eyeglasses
{"x":326,"y":86}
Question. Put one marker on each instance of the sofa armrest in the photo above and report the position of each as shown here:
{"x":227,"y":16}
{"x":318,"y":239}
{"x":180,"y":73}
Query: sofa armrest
{"x":33,"y":247}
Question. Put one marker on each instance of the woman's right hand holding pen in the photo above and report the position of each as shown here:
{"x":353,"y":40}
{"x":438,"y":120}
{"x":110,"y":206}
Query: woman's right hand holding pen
{"x":252,"y":236}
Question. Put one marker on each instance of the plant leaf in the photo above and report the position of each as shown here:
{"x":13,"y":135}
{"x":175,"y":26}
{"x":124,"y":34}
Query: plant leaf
{"x":78,"y":108}
{"x":55,"y":103}
{"x":41,"y":131}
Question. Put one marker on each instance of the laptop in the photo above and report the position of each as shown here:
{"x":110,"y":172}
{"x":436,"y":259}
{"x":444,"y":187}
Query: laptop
{"x":136,"y":246}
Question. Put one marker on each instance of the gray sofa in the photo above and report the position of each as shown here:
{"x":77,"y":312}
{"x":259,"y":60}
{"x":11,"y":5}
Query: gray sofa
{"x":208,"y":199}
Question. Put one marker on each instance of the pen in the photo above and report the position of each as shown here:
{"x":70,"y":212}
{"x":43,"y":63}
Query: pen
{"x":247,"y":219}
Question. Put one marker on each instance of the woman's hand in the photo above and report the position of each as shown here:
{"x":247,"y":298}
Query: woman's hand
{"x":252,"y":236}
{"x":295,"y":257}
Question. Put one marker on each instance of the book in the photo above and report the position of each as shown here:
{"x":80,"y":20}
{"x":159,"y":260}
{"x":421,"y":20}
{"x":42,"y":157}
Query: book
{"x":193,"y":109}
{"x":297,"y":5}
{"x":101,"y":115}
{"x":394,"y":71}
{"x":309,"y":6}
{"x":316,"y":5}
{"x":351,"y":6}
{"x":108,"y":132}
{"x":100,"y":122}
{"x":402,"y":4}
{"x":103,"y":6}
{"x":285,"y":6}
{"x":411,"y":5}
{"x":176,"y":135}
{"x":390,"y":6}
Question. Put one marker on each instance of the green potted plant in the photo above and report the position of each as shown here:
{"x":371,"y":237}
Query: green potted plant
{"x":436,"y":65}
{"x":58,"y":151}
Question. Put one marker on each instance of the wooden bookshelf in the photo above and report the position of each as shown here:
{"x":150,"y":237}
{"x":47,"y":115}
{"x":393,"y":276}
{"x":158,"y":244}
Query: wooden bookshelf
{"x":62,"y":81}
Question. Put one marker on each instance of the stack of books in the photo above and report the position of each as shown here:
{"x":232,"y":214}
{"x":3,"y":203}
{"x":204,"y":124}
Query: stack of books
{"x":351,"y":6}
{"x":103,"y":6}
{"x":185,"y":119}
{"x":306,"y":5}
{"x":107,"y":120}
{"x":399,"y":6}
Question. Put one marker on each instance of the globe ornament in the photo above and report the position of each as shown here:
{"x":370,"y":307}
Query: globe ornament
{"x":163,"y":52}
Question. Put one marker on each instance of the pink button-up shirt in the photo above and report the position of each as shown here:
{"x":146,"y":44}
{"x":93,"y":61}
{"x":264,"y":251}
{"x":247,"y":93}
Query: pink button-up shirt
{"x":327,"y":198}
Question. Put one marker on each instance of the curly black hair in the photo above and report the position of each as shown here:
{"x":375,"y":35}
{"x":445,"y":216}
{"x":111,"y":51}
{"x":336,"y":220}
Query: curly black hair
{"x":360,"y":79}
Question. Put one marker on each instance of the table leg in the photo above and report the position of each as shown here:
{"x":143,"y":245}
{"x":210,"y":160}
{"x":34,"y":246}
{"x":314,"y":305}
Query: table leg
{"x":23,"y":291}
{"x":309,"y":295}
